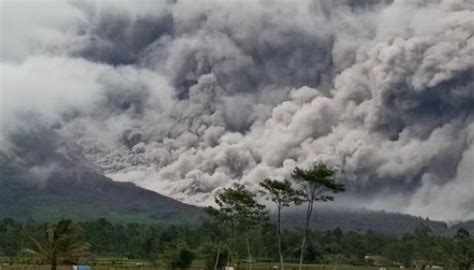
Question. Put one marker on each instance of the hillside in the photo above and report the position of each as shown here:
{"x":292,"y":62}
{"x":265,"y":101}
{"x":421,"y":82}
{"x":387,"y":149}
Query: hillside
{"x":52,"y":180}
{"x":52,"y":183}
{"x":365,"y":220}
{"x":468,"y":225}
{"x":99,"y":197}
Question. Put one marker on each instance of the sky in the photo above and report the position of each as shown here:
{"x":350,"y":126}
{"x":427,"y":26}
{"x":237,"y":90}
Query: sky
{"x":187,"y":97}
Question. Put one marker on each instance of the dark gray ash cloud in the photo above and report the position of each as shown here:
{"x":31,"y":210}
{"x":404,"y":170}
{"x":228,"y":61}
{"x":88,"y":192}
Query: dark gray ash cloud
{"x":186,"y":97}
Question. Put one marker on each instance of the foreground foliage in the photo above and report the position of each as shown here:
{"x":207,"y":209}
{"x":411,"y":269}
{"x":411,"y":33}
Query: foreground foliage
{"x":145,"y":241}
{"x":58,"y":244}
{"x":239,"y":232}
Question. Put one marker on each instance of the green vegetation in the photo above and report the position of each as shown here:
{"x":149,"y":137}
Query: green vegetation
{"x":179,"y":257}
{"x":90,"y":199}
{"x":237,"y":232}
{"x":59,"y":244}
{"x":463,"y":251}
{"x":283,"y":195}
{"x":314,"y":185}
{"x":240,"y":210}
{"x":116,"y":244}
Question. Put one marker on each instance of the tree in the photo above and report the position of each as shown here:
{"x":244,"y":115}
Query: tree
{"x":151,"y":246}
{"x":216,"y":224}
{"x":424,"y":245}
{"x":464,"y":250}
{"x":283,"y":195}
{"x":180,"y":257}
{"x":10,"y":233}
{"x":59,"y":243}
{"x":215,"y":255}
{"x":314,"y":185}
{"x":401,"y":250}
{"x":238,"y":205}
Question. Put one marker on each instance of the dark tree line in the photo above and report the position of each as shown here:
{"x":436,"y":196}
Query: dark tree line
{"x":157,"y":243}
{"x":238,"y":231}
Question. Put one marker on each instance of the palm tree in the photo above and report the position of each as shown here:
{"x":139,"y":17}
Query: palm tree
{"x":59,"y":243}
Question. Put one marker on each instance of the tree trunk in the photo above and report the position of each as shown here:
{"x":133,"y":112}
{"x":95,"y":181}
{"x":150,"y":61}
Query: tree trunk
{"x":53,"y":265}
{"x":231,"y":256}
{"x":248,"y":251}
{"x":280,"y":252}
{"x":309,"y":211}
{"x":217,"y":257}
{"x":302,"y":250}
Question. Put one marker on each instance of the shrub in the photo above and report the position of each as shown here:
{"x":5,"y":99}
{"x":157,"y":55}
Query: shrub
{"x":180,"y":257}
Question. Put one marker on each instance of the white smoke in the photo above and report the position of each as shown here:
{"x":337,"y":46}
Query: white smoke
{"x":187,"y":97}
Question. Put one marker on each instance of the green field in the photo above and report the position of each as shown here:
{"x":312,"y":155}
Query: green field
{"x":119,"y":264}
{"x":149,"y":267}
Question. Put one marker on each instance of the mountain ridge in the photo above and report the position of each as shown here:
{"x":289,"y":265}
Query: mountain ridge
{"x":50,"y":185}
{"x":57,"y":182}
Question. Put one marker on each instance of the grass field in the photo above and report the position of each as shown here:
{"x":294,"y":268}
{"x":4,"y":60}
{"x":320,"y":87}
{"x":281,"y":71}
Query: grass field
{"x":116,"y":264}
{"x":148,"y":267}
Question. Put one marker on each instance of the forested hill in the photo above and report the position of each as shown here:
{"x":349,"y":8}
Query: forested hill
{"x":40,"y":192}
{"x":365,"y":220}
{"x":468,"y":225}
{"x":98,"y":197}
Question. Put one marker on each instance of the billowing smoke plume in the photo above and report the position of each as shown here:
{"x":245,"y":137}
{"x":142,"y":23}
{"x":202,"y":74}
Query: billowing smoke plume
{"x":185,"y":97}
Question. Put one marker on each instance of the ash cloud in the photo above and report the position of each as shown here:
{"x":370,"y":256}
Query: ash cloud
{"x":186,"y":97}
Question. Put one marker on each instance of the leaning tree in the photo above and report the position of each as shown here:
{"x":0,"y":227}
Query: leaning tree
{"x":283,"y":195}
{"x":314,"y":184}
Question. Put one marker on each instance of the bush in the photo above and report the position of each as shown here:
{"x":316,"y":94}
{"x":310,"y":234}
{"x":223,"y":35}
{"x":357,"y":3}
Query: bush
{"x":180,"y":257}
